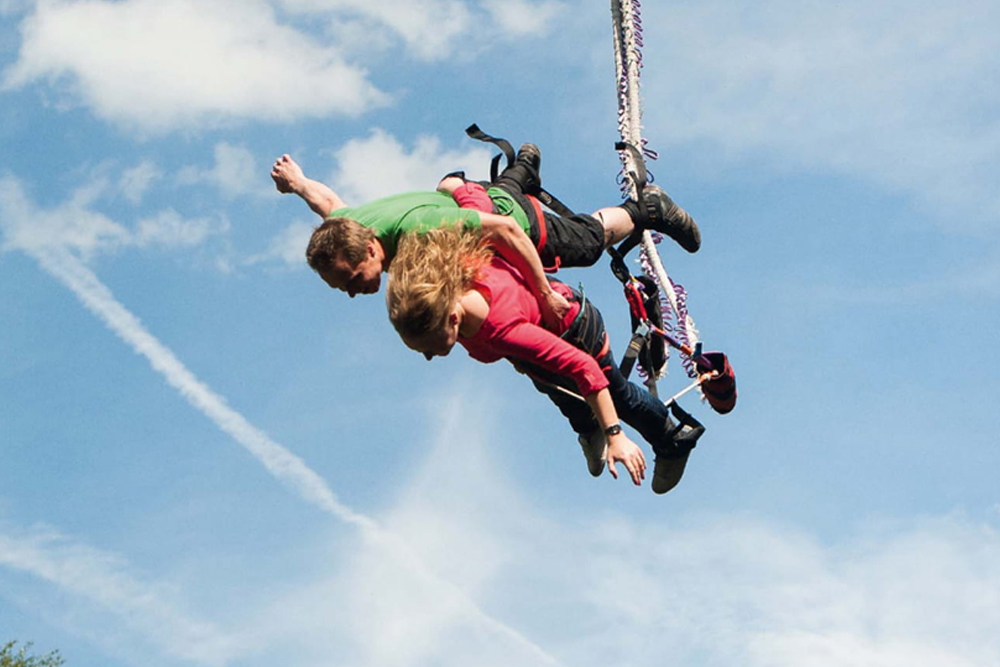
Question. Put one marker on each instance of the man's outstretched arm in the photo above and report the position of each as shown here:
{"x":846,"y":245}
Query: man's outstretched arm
{"x":289,"y":179}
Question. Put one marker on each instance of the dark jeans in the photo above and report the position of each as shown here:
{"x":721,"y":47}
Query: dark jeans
{"x":635,"y":406}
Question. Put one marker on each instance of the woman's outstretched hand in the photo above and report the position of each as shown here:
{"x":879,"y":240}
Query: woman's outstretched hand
{"x":620,"y":448}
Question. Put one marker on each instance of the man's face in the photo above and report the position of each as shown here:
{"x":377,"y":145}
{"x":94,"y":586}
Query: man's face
{"x":364,"y":278}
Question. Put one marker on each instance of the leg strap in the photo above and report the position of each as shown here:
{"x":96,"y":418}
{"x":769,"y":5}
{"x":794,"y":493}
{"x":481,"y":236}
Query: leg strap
{"x":544,"y":196}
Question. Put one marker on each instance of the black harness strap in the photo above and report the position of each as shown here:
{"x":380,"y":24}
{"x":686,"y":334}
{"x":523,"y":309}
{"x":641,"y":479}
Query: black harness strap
{"x":508,"y":151}
{"x":544,"y":196}
{"x":553,"y":204}
{"x":643,"y":347}
{"x":641,"y":334}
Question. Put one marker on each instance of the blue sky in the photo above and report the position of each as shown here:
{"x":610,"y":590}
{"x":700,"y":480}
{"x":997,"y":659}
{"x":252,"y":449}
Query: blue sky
{"x":209,"y":458}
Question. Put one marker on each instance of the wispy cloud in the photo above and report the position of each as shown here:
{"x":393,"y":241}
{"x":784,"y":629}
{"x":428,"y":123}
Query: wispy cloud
{"x":595,"y":589}
{"x":708,"y":587}
{"x":75,"y":225}
{"x":169,"y":229}
{"x":889,"y":92}
{"x":777,"y":597}
{"x":599,"y":586}
{"x":72,"y":224}
{"x":523,"y":18}
{"x":100,"y":588}
{"x":137,"y":180}
{"x":428,"y":28}
{"x":234,"y":172}
{"x":287,"y":247}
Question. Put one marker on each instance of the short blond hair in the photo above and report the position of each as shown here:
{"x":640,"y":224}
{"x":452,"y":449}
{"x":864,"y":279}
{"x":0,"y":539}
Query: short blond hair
{"x":430,"y":272}
{"x":338,"y":237}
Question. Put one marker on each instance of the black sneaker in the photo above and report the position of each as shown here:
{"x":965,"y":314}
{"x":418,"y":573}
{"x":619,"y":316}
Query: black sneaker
{"x":673,"y":450}
{"x":530,"y":155}
{"x":595,"y":448}
{"x":668,"y":470}
{"x":661,"y":214}
{"x":523,"y":177}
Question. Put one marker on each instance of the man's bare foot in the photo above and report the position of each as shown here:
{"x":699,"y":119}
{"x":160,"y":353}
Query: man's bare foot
{"x":287,"y":175}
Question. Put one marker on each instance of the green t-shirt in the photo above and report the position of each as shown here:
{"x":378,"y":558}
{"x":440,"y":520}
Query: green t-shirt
{"x":391,"y":217}
{"x":507,"y":205}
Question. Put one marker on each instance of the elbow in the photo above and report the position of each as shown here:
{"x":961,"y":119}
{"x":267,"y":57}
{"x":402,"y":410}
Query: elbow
{"x":449,"y":184}
{"x":500,"y":228}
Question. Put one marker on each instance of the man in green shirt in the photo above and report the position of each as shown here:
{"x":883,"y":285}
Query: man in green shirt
{"x":354,"y":245}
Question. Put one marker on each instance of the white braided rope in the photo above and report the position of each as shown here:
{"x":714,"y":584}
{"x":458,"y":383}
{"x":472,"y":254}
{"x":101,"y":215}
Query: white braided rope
{"x":628,"y":63}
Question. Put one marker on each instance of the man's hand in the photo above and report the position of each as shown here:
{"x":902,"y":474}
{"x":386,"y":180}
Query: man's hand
{"x":289,"y":179}
{"x":620,"y":448}
{"x":554,"y":307}
{"x":287,"y":175}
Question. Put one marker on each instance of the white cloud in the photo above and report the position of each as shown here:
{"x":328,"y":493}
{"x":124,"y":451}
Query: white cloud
{"x":429,"y":28}
{"x":136,"y":181}
{"x":162,"y":64}
{"x":288,"y":246}
{"x":891,"y":92}
{"x":379,"y":165}
{"x":71,"y":224}
{"x":101,"y":590}
{"x":75,"y":226}
{"x":234,"y":172}
{"x":169,"y":229}
{"x":403,"y":596}
{"x":712,"y":591}
{"x":523,"y":18}
{"x":592,"y":587}
{"x":14,"y":6}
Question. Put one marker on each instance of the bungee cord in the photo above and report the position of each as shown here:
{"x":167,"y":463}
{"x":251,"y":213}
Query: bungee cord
{"x":627,"y":23}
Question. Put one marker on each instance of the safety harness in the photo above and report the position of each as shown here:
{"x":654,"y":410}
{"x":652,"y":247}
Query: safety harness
{"x":648,"y":346}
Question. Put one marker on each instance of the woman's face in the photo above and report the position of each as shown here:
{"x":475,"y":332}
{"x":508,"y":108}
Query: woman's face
{"x":436,"y":343}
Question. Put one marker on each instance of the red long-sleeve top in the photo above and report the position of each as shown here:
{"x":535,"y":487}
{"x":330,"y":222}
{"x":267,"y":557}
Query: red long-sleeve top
{"x":513,"y":329}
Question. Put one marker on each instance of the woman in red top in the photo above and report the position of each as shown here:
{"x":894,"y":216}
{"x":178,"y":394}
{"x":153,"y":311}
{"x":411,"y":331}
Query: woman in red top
{"x":446,"y":287}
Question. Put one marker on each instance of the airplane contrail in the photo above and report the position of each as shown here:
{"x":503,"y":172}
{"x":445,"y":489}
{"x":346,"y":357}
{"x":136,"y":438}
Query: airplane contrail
{"x":69,"y":270}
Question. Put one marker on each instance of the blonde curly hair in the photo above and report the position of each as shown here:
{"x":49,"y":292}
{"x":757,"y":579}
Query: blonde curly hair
{"x":430,"y":272}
